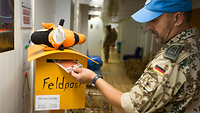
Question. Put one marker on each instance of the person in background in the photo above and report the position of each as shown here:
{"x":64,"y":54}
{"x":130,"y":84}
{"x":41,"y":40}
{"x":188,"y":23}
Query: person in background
{"x":114,"y":37}
{"x":107,"y":43}
{"x":171,"y":81}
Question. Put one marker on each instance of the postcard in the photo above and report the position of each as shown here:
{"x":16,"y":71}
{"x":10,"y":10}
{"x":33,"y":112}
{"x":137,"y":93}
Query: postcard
{"x":68,"y":65}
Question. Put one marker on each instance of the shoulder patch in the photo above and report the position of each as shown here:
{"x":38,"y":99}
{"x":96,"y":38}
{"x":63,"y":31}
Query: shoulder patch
{"x":172,"y":52}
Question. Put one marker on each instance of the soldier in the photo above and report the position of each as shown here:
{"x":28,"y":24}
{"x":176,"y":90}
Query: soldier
{"x":171,"y":81}
{"x":107,"y":43}
{"x":114,"y":37}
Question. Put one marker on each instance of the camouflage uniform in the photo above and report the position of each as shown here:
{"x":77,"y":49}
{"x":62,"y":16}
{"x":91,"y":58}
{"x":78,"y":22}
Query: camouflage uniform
{"x":106,"y":44}
{"x":171,"y":81}
{"x":114,"y":37}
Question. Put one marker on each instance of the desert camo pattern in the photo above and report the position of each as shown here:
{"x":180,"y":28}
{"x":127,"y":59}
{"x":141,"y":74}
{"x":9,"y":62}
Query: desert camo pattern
{"x":177,"y":88}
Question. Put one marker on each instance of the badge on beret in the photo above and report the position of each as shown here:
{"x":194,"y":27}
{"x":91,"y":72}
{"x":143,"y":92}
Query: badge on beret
{"x":172,"y":52}
{"x":159,"y":70}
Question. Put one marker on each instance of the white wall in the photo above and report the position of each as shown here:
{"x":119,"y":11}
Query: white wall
{"x":43,"y":12}
{"x":128,"y":35}
{"x":79,"y":20}
{"x":84,"y":27}
{"x":95,"y":36}
{"x":144,"y":39}
{"x":11,"y":75}
{"x":133,"y":34}
{"x":62,"y":12}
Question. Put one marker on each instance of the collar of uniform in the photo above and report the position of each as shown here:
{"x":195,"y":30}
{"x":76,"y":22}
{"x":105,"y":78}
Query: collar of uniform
{"x":176,"y":43}
{"x":183,"y":35}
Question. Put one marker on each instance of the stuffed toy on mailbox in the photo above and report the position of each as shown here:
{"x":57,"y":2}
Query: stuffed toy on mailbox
{"x":56,"y":38}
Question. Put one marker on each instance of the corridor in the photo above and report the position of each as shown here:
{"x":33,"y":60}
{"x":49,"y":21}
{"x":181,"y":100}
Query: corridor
{"x":114,"y":72}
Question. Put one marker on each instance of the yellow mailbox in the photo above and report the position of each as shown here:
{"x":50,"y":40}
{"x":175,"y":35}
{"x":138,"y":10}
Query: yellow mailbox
{"x":55,"y":89}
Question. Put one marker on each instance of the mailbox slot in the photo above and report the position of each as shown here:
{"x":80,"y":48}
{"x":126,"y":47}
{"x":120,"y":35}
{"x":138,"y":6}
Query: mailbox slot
{"x":52,"y":60}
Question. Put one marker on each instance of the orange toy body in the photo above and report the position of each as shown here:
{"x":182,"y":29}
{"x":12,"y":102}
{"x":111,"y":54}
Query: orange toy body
{"x":57,"y":37}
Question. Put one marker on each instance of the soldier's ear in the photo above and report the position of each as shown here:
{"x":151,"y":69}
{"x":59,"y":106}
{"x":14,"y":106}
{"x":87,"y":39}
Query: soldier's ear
{"x":178,"y":18}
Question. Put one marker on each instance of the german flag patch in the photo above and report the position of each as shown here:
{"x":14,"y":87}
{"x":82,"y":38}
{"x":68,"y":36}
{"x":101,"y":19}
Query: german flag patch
{"x":159,"y":70}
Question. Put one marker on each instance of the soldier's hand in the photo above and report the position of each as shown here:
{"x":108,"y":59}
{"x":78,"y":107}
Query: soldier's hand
{"x":83,"y":75}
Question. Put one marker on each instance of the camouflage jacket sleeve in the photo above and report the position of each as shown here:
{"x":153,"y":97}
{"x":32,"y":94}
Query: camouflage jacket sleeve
{"x":171,"y":81}
{"x":159,"y":84}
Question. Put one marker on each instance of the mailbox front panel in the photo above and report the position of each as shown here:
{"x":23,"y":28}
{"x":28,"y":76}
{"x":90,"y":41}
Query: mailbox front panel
{"x":54,"y":87}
